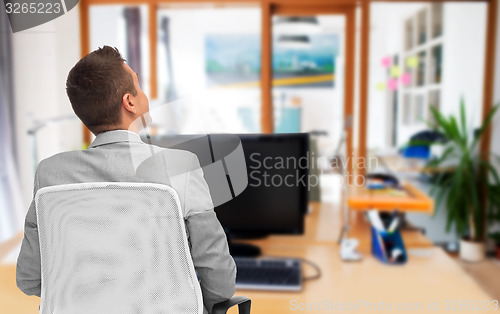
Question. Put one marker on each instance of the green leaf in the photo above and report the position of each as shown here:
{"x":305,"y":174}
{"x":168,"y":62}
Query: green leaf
{"x":492,"y":170}
{"x":463,"y":123}
{"x":484,"y":126}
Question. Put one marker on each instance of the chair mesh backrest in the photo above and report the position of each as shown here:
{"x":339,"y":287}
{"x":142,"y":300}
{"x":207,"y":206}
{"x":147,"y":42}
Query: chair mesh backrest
{"x":114,"y":248}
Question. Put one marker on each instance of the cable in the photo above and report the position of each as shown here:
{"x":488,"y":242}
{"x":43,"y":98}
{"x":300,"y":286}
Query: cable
{"x":312,"y":264}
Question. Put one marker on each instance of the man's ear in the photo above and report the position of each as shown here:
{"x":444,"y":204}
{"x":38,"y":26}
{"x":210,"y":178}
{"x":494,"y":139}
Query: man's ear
{"x":128,"y":103}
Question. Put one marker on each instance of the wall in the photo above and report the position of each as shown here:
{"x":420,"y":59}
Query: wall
{"x":464,"y":42}
{"x":42,"y":58}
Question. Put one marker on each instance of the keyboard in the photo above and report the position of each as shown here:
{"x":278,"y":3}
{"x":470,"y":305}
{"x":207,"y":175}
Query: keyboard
{"x":283,"y":274}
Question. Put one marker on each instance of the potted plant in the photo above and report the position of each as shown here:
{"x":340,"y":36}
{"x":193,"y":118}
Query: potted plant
{"x":496,"y":238}
{"x":462,"y":181}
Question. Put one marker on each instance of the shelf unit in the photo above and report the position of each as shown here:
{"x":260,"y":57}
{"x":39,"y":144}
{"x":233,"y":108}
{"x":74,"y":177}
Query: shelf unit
{"x":423,"y":39}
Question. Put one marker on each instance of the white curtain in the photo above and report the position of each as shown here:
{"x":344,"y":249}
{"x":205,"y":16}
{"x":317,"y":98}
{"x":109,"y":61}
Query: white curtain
{"x":11,"y":207}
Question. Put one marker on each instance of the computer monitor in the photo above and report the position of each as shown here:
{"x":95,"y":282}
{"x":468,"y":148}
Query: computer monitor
{"x":275,"y":199}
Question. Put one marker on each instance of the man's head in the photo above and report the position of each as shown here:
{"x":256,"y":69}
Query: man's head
{"x":104,"y":91}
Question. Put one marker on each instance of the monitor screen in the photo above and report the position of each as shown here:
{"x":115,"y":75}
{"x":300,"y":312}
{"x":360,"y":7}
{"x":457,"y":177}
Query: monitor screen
{"x":275,"y":200}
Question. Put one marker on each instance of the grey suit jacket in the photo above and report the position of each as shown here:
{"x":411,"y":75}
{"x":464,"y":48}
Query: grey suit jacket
{"x":121,"y":156}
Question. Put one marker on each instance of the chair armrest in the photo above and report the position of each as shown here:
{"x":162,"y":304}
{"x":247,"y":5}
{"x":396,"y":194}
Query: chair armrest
{"x":242,"y":302}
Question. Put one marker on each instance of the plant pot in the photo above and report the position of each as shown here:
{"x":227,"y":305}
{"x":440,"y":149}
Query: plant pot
{"x":472,"y":251}
{"x":498,"y":252}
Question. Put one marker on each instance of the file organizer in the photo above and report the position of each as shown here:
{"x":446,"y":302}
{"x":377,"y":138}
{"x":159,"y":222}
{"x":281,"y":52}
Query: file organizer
{"x":384,"y":242}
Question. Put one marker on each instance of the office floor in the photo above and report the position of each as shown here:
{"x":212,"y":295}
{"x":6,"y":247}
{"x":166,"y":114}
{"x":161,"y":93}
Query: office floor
{"x":485,"y":273}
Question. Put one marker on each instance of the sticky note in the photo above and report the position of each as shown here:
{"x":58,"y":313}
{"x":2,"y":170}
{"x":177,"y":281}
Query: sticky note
{"x":412,"y":62}
{"x":381,"y":86}
{"x":406,"y":78}
{"x":386,"y":62}
{"x":392,"y":84}
{"x":395,"y":71}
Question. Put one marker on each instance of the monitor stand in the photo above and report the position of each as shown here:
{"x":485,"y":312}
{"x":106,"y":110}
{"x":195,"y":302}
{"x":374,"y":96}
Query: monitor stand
{"x":243,"y":249}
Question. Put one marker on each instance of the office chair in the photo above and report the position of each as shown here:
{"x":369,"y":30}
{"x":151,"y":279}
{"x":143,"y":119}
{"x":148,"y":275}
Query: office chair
{"x":117,"y":248}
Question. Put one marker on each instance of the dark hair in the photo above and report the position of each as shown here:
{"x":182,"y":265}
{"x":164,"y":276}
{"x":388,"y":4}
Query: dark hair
{"x":95,"y":87}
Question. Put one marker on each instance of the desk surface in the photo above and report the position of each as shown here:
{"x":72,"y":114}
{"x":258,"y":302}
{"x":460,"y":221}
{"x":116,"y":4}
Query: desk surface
{"x":432,"y":276}
{"x":420,"y":283}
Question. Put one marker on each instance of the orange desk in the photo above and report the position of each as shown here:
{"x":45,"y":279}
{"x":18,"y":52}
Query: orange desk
{"x":323,"y":224}
{"x":361,"y":199}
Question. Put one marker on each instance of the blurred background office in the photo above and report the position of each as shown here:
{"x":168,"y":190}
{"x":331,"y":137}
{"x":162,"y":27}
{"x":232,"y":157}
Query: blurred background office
{"x":208,"y":70}
{"x":202,"y":66}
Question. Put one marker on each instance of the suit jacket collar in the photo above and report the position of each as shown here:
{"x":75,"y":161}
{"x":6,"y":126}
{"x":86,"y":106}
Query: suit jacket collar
{"x":115,"y":136}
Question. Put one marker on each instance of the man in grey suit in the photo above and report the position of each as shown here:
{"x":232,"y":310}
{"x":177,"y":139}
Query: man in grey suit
{"x":105,"y":94}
